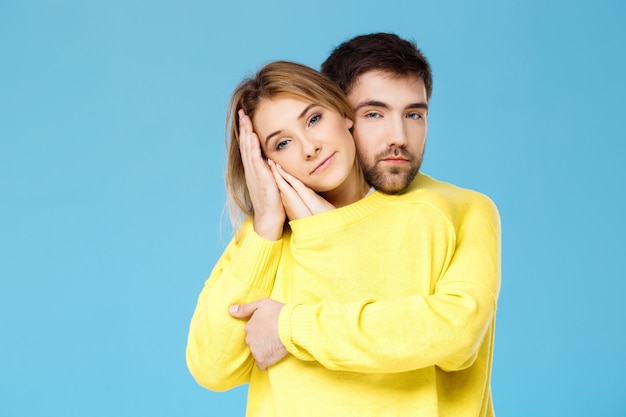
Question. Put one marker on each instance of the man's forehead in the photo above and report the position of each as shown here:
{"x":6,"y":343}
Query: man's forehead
{"x":387,"y":87}
{"x":379,"y":76}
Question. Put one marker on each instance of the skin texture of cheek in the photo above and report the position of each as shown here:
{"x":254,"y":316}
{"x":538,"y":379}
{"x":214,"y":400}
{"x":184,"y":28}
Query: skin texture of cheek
{"x":365,"y":155}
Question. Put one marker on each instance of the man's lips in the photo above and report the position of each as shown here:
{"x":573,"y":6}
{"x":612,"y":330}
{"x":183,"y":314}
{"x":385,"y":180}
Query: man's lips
{"x":394,"y":160}
{"x":322,"y":165}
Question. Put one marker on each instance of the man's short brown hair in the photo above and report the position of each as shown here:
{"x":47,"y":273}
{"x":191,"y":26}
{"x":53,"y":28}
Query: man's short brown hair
{"x":385,"y":52}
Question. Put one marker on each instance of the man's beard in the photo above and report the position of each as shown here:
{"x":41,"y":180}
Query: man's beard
{"x":392,"y":179}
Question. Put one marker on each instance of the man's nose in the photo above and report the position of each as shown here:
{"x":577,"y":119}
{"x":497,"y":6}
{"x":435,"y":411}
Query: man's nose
{"x":398,"y":134}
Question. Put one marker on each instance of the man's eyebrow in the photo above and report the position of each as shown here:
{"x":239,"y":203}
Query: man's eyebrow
{"x":381,"y":104}
{"x":300,"y":116}
{"x":417,"y":106}
{"x":371,"y":103}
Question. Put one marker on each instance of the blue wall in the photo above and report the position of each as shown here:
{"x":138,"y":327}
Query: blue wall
{"x":112,"y":197}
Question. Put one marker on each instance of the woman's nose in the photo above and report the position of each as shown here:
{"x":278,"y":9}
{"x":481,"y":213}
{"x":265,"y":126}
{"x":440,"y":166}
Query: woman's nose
{"x":311,"y":148}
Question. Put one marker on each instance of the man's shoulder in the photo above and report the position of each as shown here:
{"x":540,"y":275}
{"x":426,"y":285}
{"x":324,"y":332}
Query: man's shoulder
{"x":424,"y":184}
{"x":426,"y":189}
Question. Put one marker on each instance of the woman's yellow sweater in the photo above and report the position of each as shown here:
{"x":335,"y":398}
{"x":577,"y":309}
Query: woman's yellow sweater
{"x":389,"y":309}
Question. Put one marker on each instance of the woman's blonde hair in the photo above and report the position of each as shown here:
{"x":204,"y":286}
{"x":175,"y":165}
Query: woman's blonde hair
{"x":279,"y":77}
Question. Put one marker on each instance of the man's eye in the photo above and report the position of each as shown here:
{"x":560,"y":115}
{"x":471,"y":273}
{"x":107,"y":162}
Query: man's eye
{"x":372,"y":115}
{"x":415,"y":116}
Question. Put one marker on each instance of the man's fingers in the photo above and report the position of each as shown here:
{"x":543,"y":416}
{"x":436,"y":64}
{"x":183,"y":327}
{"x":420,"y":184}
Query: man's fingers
{"x":243,"y":311}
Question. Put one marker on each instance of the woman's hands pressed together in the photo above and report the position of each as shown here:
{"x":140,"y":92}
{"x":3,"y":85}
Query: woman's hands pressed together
{"x":298,"y":200}
{"x":275,"y":194}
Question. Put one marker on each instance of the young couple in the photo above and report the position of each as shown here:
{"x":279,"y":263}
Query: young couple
{"x":334,"y":298}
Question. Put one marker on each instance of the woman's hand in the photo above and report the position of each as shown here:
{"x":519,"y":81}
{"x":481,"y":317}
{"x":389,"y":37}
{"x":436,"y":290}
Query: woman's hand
{"x":269,"y":213}
{"x":298,"y":200}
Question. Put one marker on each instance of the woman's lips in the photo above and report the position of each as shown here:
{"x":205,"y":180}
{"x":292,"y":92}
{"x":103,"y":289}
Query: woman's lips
{"x":323,"y":164}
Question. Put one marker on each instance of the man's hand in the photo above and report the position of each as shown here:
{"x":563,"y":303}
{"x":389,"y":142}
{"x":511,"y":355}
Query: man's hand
{"x":262,"y":330}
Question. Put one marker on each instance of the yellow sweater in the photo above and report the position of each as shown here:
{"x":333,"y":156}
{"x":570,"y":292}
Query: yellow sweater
{"x":390,"y":309}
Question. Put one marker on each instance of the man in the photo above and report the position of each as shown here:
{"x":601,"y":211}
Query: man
{"x":432,"y":348}
{"x":388,"y":83}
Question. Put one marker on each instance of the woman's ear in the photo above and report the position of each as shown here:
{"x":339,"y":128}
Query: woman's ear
{"x":349,"y":122}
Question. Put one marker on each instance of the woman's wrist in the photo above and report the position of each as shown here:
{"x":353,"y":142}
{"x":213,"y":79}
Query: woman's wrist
{"x":270,"y":229}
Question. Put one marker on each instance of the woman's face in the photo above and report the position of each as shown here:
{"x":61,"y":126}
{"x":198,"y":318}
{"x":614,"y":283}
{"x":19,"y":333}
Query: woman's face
{"x":309,"y":141}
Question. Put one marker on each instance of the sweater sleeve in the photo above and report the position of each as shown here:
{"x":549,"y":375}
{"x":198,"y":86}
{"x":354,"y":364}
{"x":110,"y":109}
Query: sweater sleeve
{"x":445,"y":328}
{"x":217,"y":355}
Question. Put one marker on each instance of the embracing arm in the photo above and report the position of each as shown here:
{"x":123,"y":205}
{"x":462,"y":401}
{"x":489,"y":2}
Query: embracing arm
{"x":217,"y":355}
{"x":445,"y":328}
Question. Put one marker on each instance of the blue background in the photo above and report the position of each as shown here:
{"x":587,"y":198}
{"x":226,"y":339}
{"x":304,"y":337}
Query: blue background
{"x":112,"y":197}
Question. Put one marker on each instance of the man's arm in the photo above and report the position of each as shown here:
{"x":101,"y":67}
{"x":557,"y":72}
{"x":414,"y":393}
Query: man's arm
{"x":444,"y":329}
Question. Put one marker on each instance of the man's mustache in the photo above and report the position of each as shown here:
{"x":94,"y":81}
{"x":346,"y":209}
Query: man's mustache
{"x":396,"y":151}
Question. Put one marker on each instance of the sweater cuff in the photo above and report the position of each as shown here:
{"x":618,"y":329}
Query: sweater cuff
{"x":295,"y":329}
{"x":257,"y":261}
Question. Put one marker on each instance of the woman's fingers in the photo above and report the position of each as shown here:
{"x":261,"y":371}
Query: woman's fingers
{"x":248,"y":141}
{"x":269,"y":213}
{"x":316,"y":203}
{"x":293,"y":204}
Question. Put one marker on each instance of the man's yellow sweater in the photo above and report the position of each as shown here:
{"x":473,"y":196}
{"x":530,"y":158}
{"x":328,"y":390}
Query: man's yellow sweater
{"x":389,"y":309}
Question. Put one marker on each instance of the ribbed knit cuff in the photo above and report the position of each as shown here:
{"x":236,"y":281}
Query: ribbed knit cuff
{"x":295,"y":329}
{"x":256,"y":261}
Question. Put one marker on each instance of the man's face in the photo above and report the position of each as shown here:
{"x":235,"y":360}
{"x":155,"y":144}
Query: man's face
{"x":389,"y":128}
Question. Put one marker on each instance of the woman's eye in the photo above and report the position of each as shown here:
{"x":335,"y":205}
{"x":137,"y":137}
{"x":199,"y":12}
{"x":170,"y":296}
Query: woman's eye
{"x":316,"y":118}
{"x":282,"y":144}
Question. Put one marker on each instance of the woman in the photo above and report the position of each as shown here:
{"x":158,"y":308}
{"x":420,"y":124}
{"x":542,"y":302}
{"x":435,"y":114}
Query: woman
{"x":302,"y":123}
{"x":338,"y":248}
{"x":302,"y":126}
